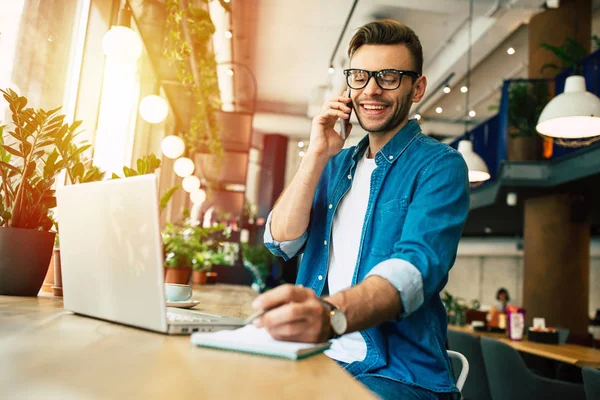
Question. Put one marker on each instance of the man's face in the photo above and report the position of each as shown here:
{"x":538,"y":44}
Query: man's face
{"x":378,"y":110}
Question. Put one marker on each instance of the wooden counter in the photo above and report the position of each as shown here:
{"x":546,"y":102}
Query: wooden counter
{"x":568,"y":353}
{"x":47,"y":352}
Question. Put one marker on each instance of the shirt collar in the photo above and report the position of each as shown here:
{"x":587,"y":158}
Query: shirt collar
{"x":395,"y":146}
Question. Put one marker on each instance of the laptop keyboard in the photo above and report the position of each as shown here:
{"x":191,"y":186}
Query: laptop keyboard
{"x":172,"y":317}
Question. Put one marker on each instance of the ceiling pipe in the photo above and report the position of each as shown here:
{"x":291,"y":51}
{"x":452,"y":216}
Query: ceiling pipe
{"x":337,"y":45}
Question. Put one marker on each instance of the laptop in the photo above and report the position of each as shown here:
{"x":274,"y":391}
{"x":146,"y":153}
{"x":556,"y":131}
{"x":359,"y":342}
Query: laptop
{"x":112,"y":258}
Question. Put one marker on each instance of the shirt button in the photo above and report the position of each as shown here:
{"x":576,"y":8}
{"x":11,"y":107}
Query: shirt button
{"x":391,"y":157}
{"x":320,"y":277}
{"x":349,"y":176}
{"x":325,"y":242}
{"x":330,"y":206}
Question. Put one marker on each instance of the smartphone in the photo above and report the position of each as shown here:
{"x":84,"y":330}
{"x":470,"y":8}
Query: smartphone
{"x":345,"y":122}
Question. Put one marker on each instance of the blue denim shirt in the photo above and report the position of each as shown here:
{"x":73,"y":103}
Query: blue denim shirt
{"x":417,"y":208}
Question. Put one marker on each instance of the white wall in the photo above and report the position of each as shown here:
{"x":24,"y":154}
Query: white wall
{"x":483,"y":266}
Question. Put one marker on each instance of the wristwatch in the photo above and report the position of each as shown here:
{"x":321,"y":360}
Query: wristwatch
{"x":337,"y":319}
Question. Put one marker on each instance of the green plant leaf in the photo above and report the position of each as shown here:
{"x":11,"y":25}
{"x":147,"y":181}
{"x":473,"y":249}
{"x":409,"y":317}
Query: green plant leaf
{"x":12,"y":151}
{"x":30,"y":169}
{"x":10,"y":167}
{"x":165,"y":198}
{"x":77,"y":171}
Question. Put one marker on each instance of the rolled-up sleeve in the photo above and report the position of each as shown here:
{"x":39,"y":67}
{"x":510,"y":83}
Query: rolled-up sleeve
{"x":287,"y":249}
{"x":422,"y":257}
{"x":406,"y":278}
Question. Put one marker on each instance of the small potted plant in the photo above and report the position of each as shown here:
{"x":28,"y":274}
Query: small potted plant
{"x":34,"y":149}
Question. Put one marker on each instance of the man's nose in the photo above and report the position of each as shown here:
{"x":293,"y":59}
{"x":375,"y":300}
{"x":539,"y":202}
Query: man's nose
{"x":372,"y":88}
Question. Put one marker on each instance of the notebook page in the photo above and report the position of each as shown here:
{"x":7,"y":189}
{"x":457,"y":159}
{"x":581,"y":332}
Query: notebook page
{"x":255,"y":340}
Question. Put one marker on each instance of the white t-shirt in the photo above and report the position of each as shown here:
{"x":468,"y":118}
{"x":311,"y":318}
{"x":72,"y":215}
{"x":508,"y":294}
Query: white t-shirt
{"x":343,"y":254}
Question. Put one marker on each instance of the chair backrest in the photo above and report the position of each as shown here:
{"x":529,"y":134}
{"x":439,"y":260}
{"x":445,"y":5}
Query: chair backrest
{"x":476,"y":386}
{"x":591,"y":382}
{"x":509,"y":377}
{"x":464,"y":371}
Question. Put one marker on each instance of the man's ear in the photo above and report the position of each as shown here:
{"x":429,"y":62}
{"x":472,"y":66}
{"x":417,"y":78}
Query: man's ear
{"x":419,"y":89}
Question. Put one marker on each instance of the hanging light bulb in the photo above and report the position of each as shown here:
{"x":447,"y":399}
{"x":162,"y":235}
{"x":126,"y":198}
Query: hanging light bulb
{"x":573,"y":114}
{"x":418,"y":116}
{"x":447,"y":89}
{"x":301,"y":144}
{"x":154,"y":109}
{"x":331,"y":70}
{"x":228,"y":34}
{"x":198,"y":196}
{"x":183,"y":167}
{"x":439,"y":110}
{"x":172,"y":146}
{"x":121,"y":43}
{"x":478,"y":171}
{"x":190,"y":183}
{"x":464,"y":89}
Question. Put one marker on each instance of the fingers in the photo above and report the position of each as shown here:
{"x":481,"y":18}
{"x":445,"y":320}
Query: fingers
{"x":281,"y":295}
{"x":293,"y":332}
{"x":302,"y":322}
{"x":291,"y":312}
{"x":335,"y":104}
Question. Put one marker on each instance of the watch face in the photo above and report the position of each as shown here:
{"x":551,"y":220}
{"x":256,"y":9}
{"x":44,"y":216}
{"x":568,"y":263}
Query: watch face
{"x":338,"y":322}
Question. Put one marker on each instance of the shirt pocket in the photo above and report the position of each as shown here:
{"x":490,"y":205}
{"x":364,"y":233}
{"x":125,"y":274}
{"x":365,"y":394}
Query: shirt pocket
{"x":388,"y":223}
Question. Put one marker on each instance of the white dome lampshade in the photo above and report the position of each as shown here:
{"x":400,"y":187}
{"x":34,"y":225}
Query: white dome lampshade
{"x":122,"y":44}
{"x":154,"y":109}
{"x":183,"y":167}
{"x":478,"y":171}
{"x":172,"y":146}
{"x":573,"y":114}
{"x":198,"y":196}
{"x":190,"y":183}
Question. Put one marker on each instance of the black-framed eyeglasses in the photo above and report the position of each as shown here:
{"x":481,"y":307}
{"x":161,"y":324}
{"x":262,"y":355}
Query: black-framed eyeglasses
{"x":387,"y":79}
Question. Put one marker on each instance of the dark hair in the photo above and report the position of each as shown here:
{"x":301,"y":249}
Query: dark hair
{"x":388,"y":31}
{"x":500,"y":291}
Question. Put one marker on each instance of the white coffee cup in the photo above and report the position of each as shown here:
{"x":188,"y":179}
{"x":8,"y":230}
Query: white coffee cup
{"x":177,"y":292}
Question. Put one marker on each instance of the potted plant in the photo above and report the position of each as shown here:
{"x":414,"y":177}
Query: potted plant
{"x":526,"y":100}
{"x":210,"y":243}
{"x":34,"y":149}
{"x":259,"y":260}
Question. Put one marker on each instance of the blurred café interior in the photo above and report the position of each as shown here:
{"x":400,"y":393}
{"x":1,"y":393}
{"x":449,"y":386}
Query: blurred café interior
{"x":216,"y":98}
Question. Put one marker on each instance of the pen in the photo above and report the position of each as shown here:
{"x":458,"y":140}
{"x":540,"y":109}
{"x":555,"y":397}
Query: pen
{"x":255,"y":315}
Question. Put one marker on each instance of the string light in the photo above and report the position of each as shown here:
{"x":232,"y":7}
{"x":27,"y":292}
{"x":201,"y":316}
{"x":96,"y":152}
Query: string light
{"x":172,"y":146}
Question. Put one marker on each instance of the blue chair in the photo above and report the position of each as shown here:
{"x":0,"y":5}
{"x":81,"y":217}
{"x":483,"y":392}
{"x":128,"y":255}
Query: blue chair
{"x":510,"y":379}
{"x":591,"y":382}
{"x":476,"y":386}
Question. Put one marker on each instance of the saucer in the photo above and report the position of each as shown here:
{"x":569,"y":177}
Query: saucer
{"x":183,"y":304}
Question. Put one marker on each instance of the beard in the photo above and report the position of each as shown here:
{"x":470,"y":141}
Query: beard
{"x":399,"y":115}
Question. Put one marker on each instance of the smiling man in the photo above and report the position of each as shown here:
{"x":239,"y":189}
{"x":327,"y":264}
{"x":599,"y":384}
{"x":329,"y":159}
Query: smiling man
{"x":378,"y":224}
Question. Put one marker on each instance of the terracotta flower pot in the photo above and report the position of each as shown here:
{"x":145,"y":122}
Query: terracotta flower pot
{"x":179,"y":275}
{"x":199,"y":277}
{"x":57,"y":289}
{"x":49,"y":279}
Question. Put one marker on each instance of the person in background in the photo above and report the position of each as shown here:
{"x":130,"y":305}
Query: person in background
{"x":378,"y":224}
{"x":502,"y":298}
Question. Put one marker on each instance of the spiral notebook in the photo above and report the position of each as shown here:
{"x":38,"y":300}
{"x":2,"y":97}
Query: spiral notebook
{"x":250,"y":339}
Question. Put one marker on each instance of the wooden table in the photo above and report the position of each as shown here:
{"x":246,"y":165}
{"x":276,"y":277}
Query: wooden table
{"x":47,"y":352}
{"x":580,"y":356}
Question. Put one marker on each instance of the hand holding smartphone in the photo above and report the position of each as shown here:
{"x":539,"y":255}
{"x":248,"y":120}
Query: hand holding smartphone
{"x":345,"y":122}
